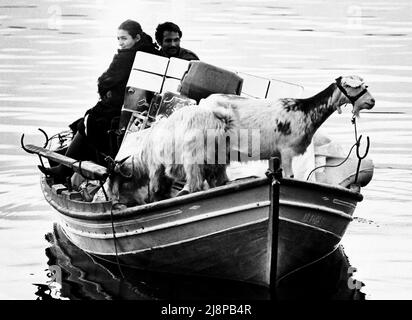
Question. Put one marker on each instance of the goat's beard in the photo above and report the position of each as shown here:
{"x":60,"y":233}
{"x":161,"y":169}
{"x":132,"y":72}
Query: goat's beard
{"x":355,"y":111}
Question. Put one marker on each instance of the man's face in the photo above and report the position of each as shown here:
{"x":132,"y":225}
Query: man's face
{"x":171,"y":43}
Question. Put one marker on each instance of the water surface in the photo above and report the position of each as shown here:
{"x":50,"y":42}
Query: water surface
{"x":52,"y":52}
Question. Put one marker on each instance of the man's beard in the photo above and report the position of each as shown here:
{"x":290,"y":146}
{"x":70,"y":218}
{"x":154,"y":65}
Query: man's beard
{"x":173,"y":51}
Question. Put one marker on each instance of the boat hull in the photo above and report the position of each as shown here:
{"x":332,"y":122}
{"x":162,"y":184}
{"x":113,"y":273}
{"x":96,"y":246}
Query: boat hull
{"x":222,"y":232}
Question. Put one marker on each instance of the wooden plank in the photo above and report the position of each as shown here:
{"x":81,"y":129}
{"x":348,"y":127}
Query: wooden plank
{"x":87,"y":168}
{"x":273,"y":225}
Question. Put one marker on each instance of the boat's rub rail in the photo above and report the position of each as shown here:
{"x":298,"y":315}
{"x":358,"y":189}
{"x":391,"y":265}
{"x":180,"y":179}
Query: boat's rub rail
{"x":317,"y":186}
{"x":296,"y":204}
{"x":168,"y":224}
{"x":188,"y":220}
{"x":312,"y":227}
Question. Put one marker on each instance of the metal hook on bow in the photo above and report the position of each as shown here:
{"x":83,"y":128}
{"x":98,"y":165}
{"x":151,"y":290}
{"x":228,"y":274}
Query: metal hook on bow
{"x":360,"y":158}
{"x":46,"y":136}
{"x":32,"y":152}
{"x":23,"y":145}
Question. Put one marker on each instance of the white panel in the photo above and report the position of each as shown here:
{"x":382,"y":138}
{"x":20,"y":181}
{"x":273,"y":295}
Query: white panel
{"x":145,"y":81}
{"x":303,"y":164}
{"x":281,"y":89}
{"x":253,"y":86}
{"x":150,"y":63}
{"x":171,"y":85}
{"x":177,"y":68}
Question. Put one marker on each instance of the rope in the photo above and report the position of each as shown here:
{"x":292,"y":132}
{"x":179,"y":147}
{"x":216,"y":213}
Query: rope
{"x":347,"y":157}
{"x":355,"y":127}
{"x":306,"y":265}
{"x":113,"y":231}
{"x":61,"y":136}
{"x":334,"y":165}
{"x":110,"y":261}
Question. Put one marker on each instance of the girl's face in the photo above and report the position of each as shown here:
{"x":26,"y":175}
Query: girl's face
{"x":126,"y":41}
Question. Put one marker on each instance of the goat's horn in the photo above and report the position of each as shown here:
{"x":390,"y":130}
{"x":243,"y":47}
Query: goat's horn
{"x":123,"y":160}
{"x":23,"y":146}
{"x":45,"y":135}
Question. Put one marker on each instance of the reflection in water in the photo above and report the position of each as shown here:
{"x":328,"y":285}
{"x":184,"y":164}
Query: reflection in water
{"x":87,"y":277}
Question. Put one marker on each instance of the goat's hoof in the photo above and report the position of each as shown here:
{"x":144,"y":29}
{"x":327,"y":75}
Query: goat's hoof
{"x":182,"y":193}
{"x":118,"y":206}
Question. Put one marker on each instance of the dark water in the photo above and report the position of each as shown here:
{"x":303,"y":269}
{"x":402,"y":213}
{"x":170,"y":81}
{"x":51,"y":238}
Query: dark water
{"x":52,"y":52}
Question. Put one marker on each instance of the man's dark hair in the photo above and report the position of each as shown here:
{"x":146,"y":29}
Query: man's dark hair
{"x":166,"y":26}
{"x":132,"y":27}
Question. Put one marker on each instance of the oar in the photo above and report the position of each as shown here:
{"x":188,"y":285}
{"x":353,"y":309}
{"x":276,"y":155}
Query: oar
{"x":88,"y":169}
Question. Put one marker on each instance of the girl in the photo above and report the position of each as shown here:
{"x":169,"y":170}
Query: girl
{"x":92,"y":137}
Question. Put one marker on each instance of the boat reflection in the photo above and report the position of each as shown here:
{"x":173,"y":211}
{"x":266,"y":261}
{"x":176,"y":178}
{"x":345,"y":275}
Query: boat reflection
{"x":86,"y":277}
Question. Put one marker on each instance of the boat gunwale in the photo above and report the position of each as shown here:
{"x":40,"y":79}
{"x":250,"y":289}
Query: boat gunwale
{"x":186,"y":199}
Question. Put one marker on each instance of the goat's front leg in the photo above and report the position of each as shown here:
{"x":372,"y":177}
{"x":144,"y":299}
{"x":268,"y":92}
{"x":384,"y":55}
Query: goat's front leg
{"x":132,"y":194}
{"x":216,"y":175}
{"x":113,"y":189}
{"x":286,"y":160}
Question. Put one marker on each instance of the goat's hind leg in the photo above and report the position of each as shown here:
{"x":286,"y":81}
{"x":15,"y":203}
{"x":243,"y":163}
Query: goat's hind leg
{"x":160,"y":185}
{"x":194,"y":179}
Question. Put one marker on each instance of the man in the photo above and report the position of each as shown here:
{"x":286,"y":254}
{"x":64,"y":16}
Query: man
{"x":168,"y":36}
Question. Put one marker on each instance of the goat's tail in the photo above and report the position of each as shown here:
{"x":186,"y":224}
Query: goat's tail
{"x":222,"y":110}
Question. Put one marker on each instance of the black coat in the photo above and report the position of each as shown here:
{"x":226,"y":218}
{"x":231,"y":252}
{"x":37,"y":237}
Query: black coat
{"x":183,"y":53}
{"x":111,"y":87}
{"x":114,"y":79}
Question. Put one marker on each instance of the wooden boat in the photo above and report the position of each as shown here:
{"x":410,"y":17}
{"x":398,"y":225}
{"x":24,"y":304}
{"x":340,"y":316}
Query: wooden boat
{"x":221,"y":232}
{"x":224,"y":232}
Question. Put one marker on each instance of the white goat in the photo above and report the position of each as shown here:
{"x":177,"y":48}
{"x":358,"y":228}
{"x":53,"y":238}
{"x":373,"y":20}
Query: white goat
{"x":174,"y":148}
{"x":288,"y":125}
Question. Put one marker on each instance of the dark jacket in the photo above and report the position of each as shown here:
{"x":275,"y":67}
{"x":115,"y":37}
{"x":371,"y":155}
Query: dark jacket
{"x":111,"y":87}
{"x":183,"y":54}
{"x":115,"y":78}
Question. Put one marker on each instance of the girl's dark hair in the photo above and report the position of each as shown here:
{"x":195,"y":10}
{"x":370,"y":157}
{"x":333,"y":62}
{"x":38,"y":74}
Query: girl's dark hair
{"x":132,"y":27}
{"x":167,"y":26}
